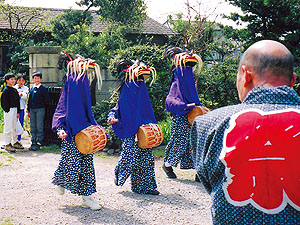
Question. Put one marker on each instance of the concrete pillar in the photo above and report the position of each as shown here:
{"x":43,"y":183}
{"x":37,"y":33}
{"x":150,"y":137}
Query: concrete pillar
{"x":108,"y":83}
{"x":44,"y":59}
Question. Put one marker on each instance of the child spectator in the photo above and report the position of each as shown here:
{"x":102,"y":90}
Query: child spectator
{"x":38,"y":99}
{"x":11,"y":105}
{"x":23,"y":93}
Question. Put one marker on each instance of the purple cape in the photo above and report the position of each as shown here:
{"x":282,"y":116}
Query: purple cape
{"x":133,"y":109}
{"x":182,"y":92}
{"x":73,"y":111}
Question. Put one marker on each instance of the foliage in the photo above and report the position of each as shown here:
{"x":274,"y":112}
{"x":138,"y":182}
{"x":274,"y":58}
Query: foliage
{"x":100,"y":48}
{"x":270,"y":19}
{"x":19,"y":59}
{"x":50,"y":148}
{"x":100,"y":112}
{"x":166,"y":129}
{"x":216,"y":84}
{"x":151,"y":55}
{"x":194,"y":29}
{"x":65,"y":24}
{"x":297,"y":84}
{"x":1,"y":120}
{"x":227,"y":46}
{"x":195,"y":35}
{"x":130,"y":13}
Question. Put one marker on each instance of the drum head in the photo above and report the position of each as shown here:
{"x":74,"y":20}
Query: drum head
{"x":83,"y":143}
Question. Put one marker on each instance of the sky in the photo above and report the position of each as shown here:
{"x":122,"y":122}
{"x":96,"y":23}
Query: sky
{"x":157,"y":9}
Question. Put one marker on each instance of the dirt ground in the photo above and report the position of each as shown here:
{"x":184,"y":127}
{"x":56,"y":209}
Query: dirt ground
{"x":28,"y":197}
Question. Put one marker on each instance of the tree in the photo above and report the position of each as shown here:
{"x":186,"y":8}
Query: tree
{"x":67,"y":23}
{"x":270,"y":19}
{"x":101,"y":48}
{"x":216,"y":84}
{"x":130,"y":13}
{"x":194,"y":30}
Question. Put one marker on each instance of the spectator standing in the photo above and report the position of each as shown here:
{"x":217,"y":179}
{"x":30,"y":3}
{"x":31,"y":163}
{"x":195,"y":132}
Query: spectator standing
{"x":11,"y":105}
{"x":246,"y":155}
{"x":23,"y":93}
{"x":37,"y":101}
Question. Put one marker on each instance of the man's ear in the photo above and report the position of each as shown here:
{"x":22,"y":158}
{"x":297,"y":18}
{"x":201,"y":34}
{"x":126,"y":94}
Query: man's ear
{"x":293,"y":81}
{"x":248,"y":76}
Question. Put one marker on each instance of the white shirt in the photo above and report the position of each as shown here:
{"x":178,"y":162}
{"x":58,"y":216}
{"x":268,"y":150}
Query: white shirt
{"x":24,"y":90}
{"x":37,"y":86}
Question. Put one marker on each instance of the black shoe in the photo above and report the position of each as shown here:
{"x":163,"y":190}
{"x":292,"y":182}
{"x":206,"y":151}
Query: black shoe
{"x":34,"y":147}
{"x":169,"y":171}
{"x":40,"y":143}
{"x":197,"y":178}
{"x":154,"y":192}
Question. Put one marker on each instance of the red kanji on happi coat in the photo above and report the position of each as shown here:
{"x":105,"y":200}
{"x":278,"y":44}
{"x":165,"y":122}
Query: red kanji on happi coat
{"x":261,"y":152}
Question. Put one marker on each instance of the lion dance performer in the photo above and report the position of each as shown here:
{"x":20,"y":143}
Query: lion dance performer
{"x":75,"y":171}
{"x":181,"y":100}
{"x":132,"y":110}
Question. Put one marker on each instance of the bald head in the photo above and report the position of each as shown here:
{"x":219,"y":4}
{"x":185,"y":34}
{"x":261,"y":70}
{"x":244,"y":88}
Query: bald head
{"x":265,"y":63}
{"x":268,"y":59}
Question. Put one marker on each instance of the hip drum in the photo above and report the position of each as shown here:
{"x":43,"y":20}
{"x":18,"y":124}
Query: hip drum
{"x":149,"y":136}
{"x":91,"y":139}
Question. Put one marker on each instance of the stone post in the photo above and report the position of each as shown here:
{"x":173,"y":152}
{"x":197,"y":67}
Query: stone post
{"x":44,"y":59}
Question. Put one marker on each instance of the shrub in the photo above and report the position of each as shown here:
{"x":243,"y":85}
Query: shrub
{"x":166,"y":130}
{"x":100,"y":112}
{"x":216,"y":84}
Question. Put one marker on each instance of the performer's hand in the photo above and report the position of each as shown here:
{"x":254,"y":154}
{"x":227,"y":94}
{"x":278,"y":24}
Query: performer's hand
{"x":62,"y":134}
{"x":113,"y":120}
{"x":18,"y":115}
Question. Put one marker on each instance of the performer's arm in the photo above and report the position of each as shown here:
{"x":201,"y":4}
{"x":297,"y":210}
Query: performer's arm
{"x":177,"y":106}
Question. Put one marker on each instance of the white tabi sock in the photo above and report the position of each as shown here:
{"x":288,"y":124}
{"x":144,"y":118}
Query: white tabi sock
{"x":167,"y":164}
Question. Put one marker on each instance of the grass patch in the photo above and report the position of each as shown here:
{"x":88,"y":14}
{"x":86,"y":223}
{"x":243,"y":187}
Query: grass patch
{"x":6,"y":159}
{"x":2,"y":152}
{"x":10,"y":158}
{"x":159,"y":153}
{"x":7,"y":221}
{"x":50,"y":149}
{"x":102,"y":155}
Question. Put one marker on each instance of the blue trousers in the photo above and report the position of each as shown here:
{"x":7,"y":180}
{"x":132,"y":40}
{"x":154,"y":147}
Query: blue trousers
{"x":37,"y":124}
{"x":137,"y":163}
{"x":21,"y":119}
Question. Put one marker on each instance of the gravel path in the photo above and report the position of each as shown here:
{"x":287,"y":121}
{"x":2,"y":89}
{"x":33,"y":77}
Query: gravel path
{"x":28,"y":197}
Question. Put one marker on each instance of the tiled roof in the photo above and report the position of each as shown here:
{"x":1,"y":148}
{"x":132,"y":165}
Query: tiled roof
{"x":150,"y":26}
